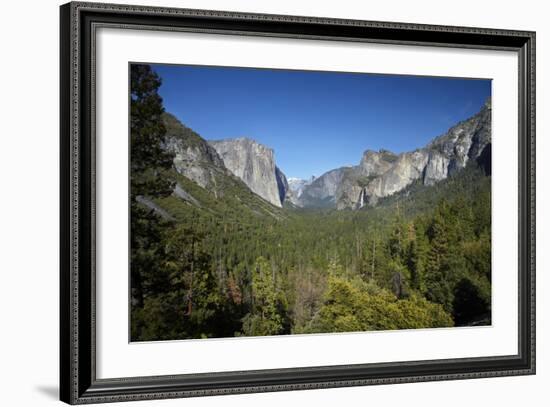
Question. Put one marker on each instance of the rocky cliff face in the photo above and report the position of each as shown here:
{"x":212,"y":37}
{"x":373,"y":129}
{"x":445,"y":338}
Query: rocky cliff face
{"x":282,"y":184}
{"x":204,"y":182}
{"x":378,"y":174}
{"x":295,"y":188}
{"x":321,"y":192}
{"x":382,"y":173}
{"x":374,"y":163}
{"x":296,"y":185}
{"x":253,"y":163}
{"x":194,"y":157}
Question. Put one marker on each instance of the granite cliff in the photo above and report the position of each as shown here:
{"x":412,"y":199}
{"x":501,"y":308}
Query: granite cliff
{"x":253,"y":163}
{"x":383,"y":173}
{"x":194,"y":158}
{"x":204,"y":181}
{"x":378,"y":174}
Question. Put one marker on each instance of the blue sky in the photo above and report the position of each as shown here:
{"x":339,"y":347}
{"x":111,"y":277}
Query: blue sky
{"x":317,"y":121}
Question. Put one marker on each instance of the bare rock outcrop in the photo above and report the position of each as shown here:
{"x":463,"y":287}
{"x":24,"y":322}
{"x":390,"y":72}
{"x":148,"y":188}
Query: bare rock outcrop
{"x":253,"y":163}
{"x":194,"y":158}
{"x":383,"y":173}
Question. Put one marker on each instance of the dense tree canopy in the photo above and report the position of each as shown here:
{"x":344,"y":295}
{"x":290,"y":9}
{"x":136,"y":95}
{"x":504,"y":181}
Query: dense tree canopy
{"x":322,"y":271}
{"x":237,"y":266}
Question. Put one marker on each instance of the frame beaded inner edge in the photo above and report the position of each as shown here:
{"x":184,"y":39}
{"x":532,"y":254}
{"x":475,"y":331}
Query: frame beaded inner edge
{"x":76,"y":396}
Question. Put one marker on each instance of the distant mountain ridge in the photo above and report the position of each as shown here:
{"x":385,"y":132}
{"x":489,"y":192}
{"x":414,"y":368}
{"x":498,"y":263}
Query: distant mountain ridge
{"x":203,"y":180}
{"x":383,"y":173}
{"x":379,"y":174}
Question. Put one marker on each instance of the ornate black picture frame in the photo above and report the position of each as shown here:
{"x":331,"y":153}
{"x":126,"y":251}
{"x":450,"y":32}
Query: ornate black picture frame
{"x":78,"y":381}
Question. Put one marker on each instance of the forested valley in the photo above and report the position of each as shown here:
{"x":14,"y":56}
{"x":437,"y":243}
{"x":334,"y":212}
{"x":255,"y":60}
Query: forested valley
{"x":219,"y":261}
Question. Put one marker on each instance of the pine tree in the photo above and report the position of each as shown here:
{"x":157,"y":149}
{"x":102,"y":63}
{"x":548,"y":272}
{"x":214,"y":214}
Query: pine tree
{"x":438,"y":287}
{"x":416,"y":257}
{"x":149,"y":160}
{"x":397,"y":244}
{"x":150,"y":166}
{"x":265,"y":318}
{"x":396,"y":241}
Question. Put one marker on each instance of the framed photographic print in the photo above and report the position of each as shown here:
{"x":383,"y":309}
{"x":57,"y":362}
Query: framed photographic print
{"x":256,"y":203}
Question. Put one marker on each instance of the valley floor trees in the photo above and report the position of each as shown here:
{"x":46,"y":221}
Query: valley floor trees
{"x":227,"y":263}
{"x":323,"y":271}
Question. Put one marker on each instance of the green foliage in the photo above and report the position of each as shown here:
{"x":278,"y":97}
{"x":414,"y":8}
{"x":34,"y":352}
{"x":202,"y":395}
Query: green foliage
{"x":150,"y":163}
{"x":353,"y":305}
{"x":395,"y":268}
{"x":265,"y":317}
{"x":188,"y":300}
{"x":388,"y":156}
{"x":365,"y":180}
{"x":229,"y":263}
{"x":149,"y":176}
